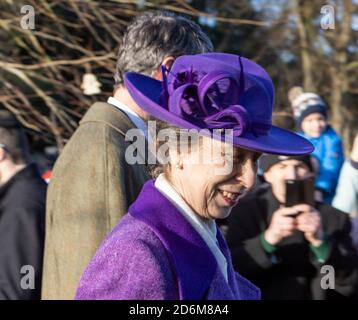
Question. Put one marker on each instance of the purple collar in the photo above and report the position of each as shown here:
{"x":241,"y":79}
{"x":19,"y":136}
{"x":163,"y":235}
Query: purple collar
{"x":191,"y":257}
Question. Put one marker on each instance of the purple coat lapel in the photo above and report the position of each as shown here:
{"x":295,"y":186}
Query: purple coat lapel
{"x":191,"y":256}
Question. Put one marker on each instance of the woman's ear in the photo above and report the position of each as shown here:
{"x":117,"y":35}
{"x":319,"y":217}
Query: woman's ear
{"x":179,"y":165}
{"x":176,"y":159}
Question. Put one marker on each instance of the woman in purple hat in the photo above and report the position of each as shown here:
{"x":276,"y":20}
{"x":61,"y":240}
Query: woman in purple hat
{"x":168,"y":245}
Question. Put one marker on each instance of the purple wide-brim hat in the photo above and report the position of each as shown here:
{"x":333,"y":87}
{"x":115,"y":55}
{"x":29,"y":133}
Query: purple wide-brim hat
{"x":218,"y":91}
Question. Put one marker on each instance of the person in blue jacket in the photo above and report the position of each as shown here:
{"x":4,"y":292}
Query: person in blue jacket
{"x":310,"y":112}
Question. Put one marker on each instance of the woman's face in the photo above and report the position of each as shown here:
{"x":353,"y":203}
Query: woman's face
{"x":212,"y":188}
{"x":314,"y":124}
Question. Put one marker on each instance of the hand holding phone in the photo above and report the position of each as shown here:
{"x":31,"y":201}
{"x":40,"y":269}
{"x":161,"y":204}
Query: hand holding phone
{"x":282,"y":225}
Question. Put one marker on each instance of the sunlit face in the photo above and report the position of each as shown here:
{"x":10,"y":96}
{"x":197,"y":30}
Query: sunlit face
{"x":285,"y":170}
{"x":213,"y":189}
{"x":314,"y":124}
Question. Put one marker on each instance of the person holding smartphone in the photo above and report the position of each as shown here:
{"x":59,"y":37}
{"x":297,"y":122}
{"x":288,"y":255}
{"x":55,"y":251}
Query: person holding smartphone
{"x":281,"y":246}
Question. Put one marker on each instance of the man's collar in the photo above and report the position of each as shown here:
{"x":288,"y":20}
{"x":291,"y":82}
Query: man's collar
{"x":106,"y":113}
{"x":133,"y":116}
{"x":25,"y":173}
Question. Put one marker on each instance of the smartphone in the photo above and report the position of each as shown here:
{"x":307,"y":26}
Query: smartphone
{"x":300,"y":191}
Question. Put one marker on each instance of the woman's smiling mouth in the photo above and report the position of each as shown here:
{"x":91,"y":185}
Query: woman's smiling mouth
{"x":231,"y":198}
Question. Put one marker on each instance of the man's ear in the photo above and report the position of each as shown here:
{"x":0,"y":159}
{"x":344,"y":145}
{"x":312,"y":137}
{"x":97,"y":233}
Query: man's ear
{"x":2,"y":154}
{"x":268,"y":176}
{"x":167,"y":63}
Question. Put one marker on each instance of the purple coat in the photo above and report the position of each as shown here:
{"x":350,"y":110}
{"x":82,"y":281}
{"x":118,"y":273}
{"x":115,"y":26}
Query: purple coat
{"x":154,"y":253}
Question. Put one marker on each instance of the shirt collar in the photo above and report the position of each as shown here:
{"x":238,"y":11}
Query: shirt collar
{"x":133,"y":116}
{"x":165,"y":187}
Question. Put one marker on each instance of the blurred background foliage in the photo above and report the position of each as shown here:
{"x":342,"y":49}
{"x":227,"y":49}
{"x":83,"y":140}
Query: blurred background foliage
{"x":42,"y":70}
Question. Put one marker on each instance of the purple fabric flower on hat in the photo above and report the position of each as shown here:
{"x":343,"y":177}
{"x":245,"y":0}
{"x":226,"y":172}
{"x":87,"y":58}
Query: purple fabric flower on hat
{"x":212,"y":98}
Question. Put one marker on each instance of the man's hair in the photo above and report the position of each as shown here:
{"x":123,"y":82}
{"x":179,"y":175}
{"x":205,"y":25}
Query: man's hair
{"x":154,"y":35}
{"x":13,"y":137}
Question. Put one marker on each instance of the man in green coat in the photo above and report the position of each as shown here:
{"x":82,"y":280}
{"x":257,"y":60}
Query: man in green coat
{"x":92,"y":184}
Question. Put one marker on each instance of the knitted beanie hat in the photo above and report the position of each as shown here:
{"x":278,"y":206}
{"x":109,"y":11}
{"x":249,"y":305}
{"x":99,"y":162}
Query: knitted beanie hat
{"x":305,"y":103}
{"x":268,"y":160}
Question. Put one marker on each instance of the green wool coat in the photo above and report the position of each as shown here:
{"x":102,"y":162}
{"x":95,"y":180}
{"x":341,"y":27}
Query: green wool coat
{"x":91,"y":189}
